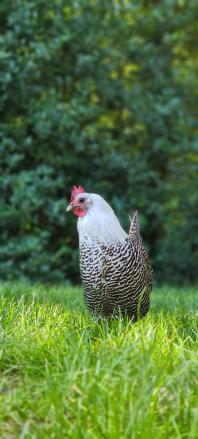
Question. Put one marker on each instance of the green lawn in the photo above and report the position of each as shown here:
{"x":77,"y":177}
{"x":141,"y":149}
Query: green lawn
{"x":64,"y":375}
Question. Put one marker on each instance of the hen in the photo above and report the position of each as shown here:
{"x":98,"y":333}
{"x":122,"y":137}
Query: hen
{"x":115,"y":268}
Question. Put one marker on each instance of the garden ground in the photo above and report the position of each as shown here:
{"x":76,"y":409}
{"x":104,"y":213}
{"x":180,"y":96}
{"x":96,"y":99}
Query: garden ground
{"x":65,"y":375}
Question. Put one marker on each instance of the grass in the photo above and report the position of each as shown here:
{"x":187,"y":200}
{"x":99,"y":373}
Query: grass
{"x":64,"y":375}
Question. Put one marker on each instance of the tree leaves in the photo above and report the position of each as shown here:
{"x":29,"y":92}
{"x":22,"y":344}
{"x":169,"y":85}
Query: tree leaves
{"x":104,"y":97}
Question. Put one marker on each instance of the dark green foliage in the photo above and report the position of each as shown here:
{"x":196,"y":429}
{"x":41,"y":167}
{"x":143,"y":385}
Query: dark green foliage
{"x":100,"y":94}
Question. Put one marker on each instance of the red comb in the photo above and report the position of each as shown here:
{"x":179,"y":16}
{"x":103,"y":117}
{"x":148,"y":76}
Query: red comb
{"x":75,"y":191}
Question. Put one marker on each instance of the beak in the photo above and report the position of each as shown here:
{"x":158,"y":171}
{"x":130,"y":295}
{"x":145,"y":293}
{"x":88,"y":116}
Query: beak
{"x":69,"y":207}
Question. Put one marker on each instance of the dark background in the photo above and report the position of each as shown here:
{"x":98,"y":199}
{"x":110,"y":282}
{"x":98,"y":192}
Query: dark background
{"x":102,"y":94}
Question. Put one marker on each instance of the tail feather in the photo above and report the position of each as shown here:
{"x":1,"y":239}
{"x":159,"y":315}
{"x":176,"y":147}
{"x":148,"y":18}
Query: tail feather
{"x":134,"y":227}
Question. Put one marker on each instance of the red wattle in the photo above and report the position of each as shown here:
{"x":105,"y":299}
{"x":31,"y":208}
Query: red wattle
{"x":78,"y":211}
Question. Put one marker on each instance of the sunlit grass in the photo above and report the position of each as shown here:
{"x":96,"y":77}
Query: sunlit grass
{"x":65,"y":375}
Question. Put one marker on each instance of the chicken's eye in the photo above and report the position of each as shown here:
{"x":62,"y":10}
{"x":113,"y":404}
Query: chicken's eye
{"x":82,"y":200}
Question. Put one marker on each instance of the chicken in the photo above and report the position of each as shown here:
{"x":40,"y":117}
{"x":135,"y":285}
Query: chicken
{"x":115,"y":268}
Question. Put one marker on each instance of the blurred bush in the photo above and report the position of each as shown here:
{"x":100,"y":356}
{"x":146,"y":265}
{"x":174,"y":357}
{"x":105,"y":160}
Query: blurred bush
{"x":100,"y":94}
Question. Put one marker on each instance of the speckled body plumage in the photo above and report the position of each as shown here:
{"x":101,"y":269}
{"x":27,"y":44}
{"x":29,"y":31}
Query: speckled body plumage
{"x":117,"y":278}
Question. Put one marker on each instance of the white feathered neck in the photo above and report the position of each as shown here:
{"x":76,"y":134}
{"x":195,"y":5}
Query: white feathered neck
{"x":100,"y":224}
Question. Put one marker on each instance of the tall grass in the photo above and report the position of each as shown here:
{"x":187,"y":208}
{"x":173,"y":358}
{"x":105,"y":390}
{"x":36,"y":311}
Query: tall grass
{"x":65,"y":375}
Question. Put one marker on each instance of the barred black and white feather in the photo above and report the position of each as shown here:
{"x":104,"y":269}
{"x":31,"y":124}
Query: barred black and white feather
{"x":115,"y":268}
